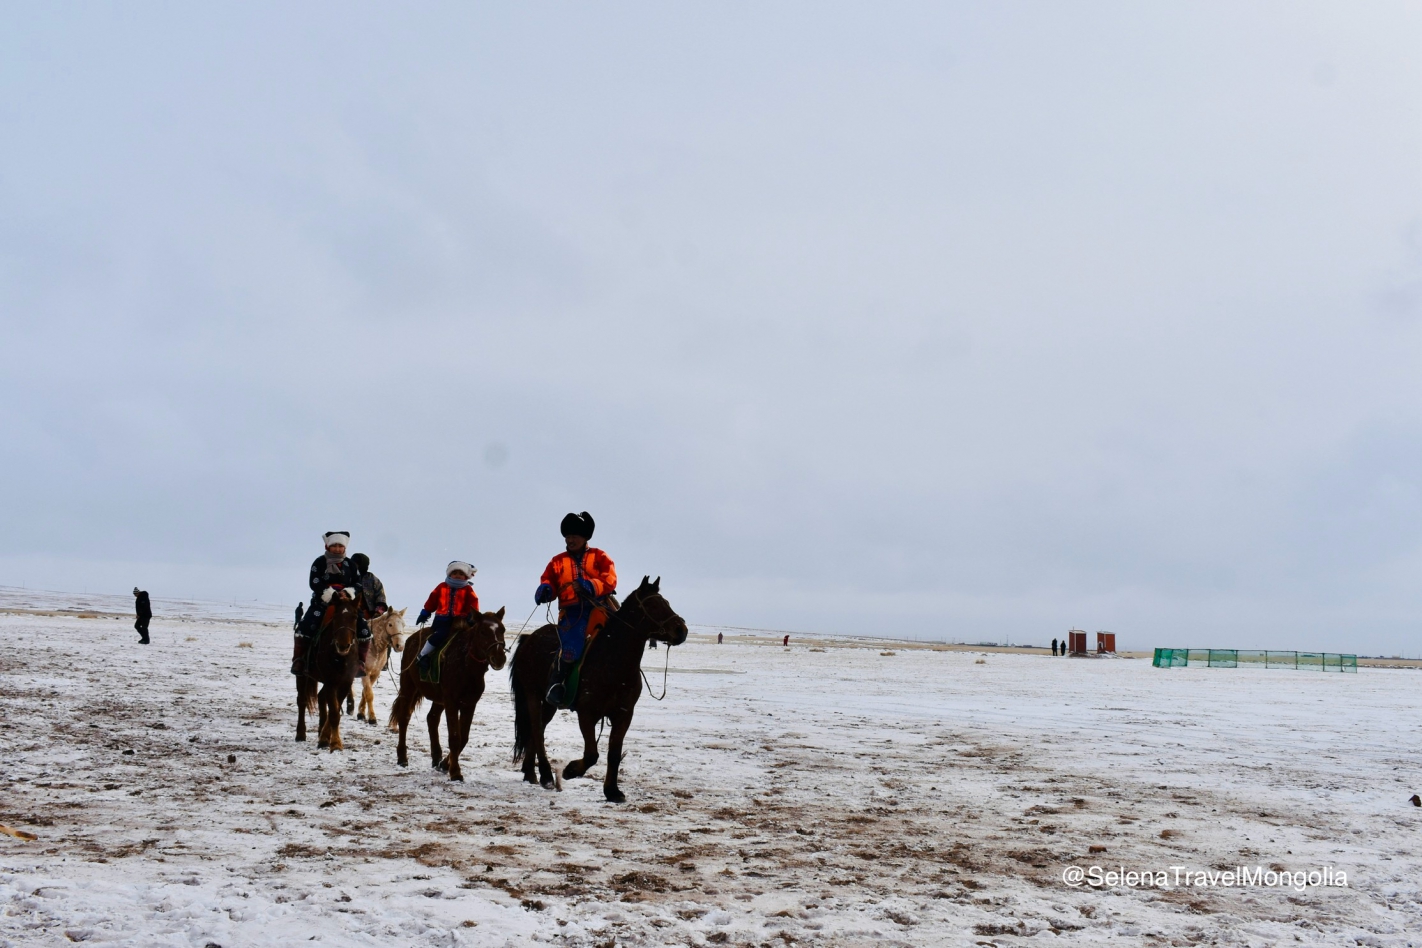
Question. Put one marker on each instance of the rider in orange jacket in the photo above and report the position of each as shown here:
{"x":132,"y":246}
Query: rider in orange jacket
{"x":453,"y":597}
{"x":582,"y":580}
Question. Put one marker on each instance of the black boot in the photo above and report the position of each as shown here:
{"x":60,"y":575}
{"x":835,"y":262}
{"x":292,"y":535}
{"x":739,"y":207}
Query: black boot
{"x":557,"y":687}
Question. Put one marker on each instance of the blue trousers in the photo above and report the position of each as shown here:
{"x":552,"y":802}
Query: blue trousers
{"x":574,"y":624}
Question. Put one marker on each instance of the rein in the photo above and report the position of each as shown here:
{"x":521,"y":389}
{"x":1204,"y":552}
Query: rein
{"x":664,"y":675}
{"x":660,"y":627}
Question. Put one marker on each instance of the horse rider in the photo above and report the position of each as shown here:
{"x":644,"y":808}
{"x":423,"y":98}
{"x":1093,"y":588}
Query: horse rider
{"x":372,"y":590}
{"x":332,"y":574}
{"x":453,"y":597}
{"x":583,"y":580}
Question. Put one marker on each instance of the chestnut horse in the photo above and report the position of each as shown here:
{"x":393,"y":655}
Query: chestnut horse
{"x":387,"y":634}
{"x":476,"y":644}
{"x":333,"y":667}
{"x":610,"y":682}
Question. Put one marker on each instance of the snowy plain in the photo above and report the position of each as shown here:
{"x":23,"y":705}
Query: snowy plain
{"x":825,"y":794}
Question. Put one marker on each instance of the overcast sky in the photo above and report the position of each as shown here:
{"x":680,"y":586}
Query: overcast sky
{"x":961,"y":321}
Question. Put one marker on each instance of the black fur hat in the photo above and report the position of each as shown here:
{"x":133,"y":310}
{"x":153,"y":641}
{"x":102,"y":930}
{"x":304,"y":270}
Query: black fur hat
{"x":361,"y":561}
{"x":578,"y":525}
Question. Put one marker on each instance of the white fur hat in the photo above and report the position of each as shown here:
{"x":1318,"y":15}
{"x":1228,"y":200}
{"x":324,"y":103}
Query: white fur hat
{"x":462,"y":566}
{"x":343,"y":537}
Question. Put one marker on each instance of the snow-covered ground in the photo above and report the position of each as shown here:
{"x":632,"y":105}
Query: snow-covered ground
{"x":777,"y":797}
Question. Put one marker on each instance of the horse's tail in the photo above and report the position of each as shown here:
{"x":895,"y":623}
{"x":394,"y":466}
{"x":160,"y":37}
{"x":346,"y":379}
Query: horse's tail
{"x":523,"y":724}
{"x":396,"y":709}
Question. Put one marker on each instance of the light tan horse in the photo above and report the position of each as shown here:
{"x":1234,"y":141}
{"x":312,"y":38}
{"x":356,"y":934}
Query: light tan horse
{"x":387,"y":634}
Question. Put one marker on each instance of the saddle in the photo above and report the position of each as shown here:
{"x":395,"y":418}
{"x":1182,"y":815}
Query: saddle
{"x":429,"y":672}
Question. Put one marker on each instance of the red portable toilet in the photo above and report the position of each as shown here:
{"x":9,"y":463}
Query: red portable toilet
{"x":1106,"y":642}
{"x":1076,"y":641}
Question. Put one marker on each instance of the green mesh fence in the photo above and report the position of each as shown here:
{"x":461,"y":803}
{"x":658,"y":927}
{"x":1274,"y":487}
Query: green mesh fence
{"x":1253,"y":658}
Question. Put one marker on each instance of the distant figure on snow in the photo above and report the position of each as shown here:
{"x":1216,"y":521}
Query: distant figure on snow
{"x":786,"y":643}
{"x":144,"y":611}
{"x":1054,"y":646}
{"x":720,"y":638}
{"x":300,"y":609}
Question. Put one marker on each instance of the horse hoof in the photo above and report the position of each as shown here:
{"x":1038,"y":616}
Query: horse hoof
{"x":571,"y":772}
{"x":401,"y":763}
{"x":615,"y":796}
{"x":529,"y":778}
{"x":459,"y":777}
{"x":300,"y":738}
{"x":549,"y":785}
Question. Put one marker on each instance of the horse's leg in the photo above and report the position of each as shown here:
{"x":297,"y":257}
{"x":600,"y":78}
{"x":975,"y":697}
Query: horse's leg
{"x":459,"y":720}
{"x":545,"y":769}
{"x":323,"y":712}
{"x":367,"y":701}
{"x":534,"y":705}
{"x":576,"y":768}
{"x":335,"y":718}
{"x":432,"y":719}
{"x":350,"y":703}
{"x":621,"y":721}
{"x":300,"y":710}
{"x":400,"y":712}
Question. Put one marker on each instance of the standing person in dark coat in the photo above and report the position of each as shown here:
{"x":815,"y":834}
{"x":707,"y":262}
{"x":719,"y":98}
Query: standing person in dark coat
{"x":1054,"y":646}
{"x":301,"y":608}
{"x":144,"y":609}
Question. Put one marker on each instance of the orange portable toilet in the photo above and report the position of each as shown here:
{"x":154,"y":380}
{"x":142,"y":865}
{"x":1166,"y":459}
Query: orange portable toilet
{"x":1076,"y":640}
{"x":1106,"y":642}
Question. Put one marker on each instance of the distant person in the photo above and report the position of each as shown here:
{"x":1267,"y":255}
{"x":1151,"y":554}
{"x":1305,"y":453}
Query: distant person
{"x":651,"y":643}
{"x":786,"y":643}
{"x":1054,"y":646}
{"x":300,"y":608}
{"x":144,"y":610}
{"x":720,"y":638}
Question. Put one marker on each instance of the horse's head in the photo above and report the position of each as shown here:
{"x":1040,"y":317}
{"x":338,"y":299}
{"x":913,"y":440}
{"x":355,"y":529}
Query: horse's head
{"x":395,"y":628}
{"x":486,"y":632}
{"x":655,"y":615}
{"x":493,"y":623}
{"x":344,"y":615}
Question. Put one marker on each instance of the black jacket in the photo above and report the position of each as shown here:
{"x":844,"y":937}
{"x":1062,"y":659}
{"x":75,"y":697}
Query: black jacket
{"x":346,"y":576}
{"x":372,"y":594}
{"x":142,"y":606}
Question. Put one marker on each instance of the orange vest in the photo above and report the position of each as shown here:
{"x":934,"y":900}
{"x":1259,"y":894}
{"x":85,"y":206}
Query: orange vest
{"x":596,"y":567}
{"x":445,"y":601}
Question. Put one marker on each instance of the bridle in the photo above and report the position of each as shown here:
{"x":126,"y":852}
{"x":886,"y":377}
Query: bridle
{"x":496,"y":642}
{"x":659,"y":632}
{"x":659,"y":626}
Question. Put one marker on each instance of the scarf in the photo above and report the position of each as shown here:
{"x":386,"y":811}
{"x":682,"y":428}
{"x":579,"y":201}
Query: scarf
{"x":455,"y":583}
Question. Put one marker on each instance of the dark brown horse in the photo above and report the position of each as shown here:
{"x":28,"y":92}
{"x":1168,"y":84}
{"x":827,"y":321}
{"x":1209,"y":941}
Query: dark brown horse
{"x":476,"y":645}
{"x":333,"y":667}
{"x":610,"y":682}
